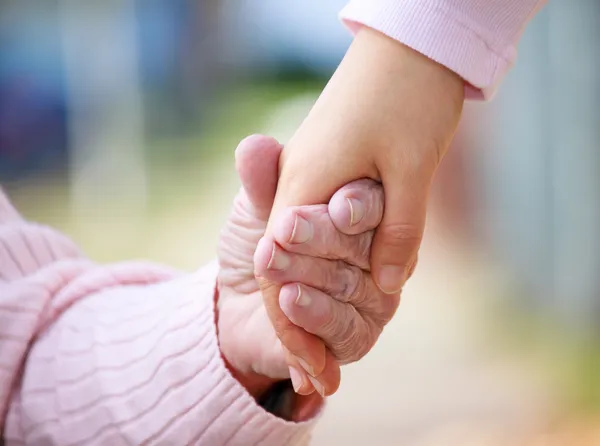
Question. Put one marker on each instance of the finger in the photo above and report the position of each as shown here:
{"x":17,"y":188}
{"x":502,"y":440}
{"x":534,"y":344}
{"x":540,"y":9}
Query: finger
{"x":344,"y":330}
{"x":257,"y":163}
{"x":330,"y":378}
{"x":308,"y":348}
{"x":291,"y":191}
{"x":357,"y":207}
{"x":338,"y":280}
{"x":257,"y":159}
{"x":309,"y":230}
{"x":398,"y":238}
{"x":334,"y":277}
{"x":326,"y":383}
{"x":299,"y":377}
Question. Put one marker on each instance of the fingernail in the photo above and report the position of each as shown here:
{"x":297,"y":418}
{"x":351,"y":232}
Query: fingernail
{"x":296,"y":379}
{"x":357,"y":210}
{"x":303,"y":299}
{"x":391,"y":279}
{"x":302,"y":231}
{"x":318,"y":386}
{"x":309,"y":369}
{"x":279,"y":260}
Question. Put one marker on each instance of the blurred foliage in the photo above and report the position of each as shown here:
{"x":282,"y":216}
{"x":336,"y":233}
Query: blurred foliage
{"x":568,"y":355}
{"x":235,"y":112}
{"x":190,"y":183}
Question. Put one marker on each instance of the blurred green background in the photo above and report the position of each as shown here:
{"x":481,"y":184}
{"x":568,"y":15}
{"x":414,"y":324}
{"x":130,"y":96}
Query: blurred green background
{"x":118,"y":124}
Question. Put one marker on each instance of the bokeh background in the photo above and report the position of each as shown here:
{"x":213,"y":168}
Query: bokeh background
{"x":118,"y":124}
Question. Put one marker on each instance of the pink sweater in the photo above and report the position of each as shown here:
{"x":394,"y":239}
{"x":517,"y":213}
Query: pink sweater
{"x":114,"y":355}
{"x":476,"y":39}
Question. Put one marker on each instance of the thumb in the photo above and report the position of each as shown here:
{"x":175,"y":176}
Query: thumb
{"x":257,"y":164}
{"x":398,"y":238}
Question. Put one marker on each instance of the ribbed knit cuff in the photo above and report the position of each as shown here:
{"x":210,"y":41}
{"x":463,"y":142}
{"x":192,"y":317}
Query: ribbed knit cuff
{"x":438,"y":35}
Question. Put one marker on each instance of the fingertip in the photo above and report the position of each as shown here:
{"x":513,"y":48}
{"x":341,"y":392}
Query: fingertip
{"x":287,"y":298}
{"x":331,"y":377}
{"x":304,"y":307}
{"x":262,"y":255}
{"x":340,"y":212}
{"x":283,"y":225}
{"x":257,"y":165}
{"x":300,"y":381}
{"x":357,"y":207}
{"x":256,"y":143}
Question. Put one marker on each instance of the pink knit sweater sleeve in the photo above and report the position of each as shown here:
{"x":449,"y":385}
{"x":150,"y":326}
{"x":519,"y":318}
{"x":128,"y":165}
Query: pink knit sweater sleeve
{"x":476,"y":39}
{"x":114,"y":355}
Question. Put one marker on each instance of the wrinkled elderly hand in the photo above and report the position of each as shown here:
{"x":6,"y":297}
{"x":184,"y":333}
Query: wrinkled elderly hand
{"x":322,"y":257}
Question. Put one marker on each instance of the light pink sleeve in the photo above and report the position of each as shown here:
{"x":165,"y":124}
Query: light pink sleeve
{"x":114,"y":355}
{"x":476,"y":39}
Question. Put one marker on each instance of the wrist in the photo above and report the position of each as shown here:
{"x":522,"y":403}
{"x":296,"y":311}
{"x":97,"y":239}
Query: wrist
{"x":274,"y":395}
{"x":278,"y":396}
{"x":253,"y":382}
{"x":384,"y":97}
{"x":408,"y":88}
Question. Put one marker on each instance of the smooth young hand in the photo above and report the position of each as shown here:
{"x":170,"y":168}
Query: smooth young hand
{"x":388,"y":114}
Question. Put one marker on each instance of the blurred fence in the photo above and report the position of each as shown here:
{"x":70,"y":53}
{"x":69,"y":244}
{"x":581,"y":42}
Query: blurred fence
{"x":537,"y":164}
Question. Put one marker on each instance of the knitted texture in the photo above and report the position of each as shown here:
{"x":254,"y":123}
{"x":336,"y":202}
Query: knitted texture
{"x":124,"y":354}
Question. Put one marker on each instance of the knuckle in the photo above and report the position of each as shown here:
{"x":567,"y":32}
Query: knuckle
{"x":359,"y":339}
{"x":402,"y":234}
{"x":359,"y":294}
{"x":353,"y":286}
{"x":284,"y":330}
{"x":269,"y":289}
{"x":352,"y":333}
{"x":294,"y":340}
{"x":346,"y":280}
{"x":375,"y":307}
{"x":349,"y":337}
{"x":357,"y":249}
{"x":381,"y":310}
{"x":331,"y":323}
